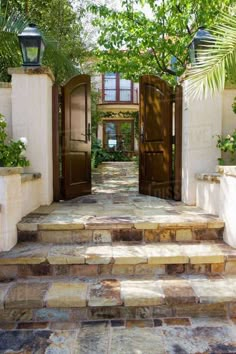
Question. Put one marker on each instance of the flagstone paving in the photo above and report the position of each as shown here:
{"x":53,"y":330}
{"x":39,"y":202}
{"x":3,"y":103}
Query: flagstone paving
{"x":116,"y":204}
{"x":114,"y":337}
{"x":118,"y":272}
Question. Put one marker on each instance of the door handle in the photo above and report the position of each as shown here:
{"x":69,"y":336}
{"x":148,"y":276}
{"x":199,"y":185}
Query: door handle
{"x":88,"y":133}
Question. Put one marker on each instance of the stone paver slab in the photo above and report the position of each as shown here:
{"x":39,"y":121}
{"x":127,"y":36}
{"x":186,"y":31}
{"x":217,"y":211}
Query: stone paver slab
{"x":203,"y":253}
{"x":66,"y":294}
{"x":214,"y":291}
{"x":199,"y":340}
{"x":142,"y":293}
{"x":105,"y":293}
{"x":93,"y":339}
{"x":26,"y":295}
{"x":165,"y":254}
{"x":178,"y":291}
{"x":137,"y":340}
{"x":25,"y":253}
{"x":98,"y":255}
{"x":145,"y":225}
{"x":129,"y":254}
{"x":66,"y":254}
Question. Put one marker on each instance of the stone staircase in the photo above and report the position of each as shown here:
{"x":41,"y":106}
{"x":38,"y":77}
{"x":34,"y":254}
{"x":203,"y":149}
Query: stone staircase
{"x":117,"y":269}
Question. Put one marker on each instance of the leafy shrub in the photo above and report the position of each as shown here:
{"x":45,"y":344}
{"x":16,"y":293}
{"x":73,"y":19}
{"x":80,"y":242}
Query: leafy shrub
{"x":10,"y":150}
{"x":227,"y":144}
{"x":100,"y":155}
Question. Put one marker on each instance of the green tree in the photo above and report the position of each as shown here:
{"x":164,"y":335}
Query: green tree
{"x":217,"y":61}
{"x":61,"y":26}
{"x":134,"y":43}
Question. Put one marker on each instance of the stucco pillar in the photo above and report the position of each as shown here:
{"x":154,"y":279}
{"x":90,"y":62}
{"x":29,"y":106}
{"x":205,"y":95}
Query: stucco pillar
{"x":32,"y":118}
{"x":202,"y":121}
{"x":10,"y":206}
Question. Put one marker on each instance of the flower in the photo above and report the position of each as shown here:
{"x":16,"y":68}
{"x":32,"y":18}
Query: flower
{"x":24,"y":140}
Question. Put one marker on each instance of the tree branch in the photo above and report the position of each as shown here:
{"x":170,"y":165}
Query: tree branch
{"x":187,"y":27}
{"x":163,"y":67}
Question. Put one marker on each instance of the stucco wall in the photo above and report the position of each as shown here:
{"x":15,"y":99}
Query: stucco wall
{"x":202,"y":121}
{"x":208,"y":196}
{"x":31,"y":192}
{"x":6,"y":105}
{"x":229,"y":117}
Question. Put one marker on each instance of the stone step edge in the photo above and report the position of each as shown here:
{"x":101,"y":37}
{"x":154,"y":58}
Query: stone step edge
{"x":148,"y":254}
{"x":163,"y":322}
{"x":95,"y":236}
{"x":113,"y":293}
{"x":198,"y":224}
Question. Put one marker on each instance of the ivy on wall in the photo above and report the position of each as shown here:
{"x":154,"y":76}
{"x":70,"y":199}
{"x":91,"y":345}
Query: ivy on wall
{"x":127,"y":114}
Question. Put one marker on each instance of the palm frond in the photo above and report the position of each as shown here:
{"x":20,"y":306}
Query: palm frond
{"x":10,"y":25}
{"x":216,"y":59}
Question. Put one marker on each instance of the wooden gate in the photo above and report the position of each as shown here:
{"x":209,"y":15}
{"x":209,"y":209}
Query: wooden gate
{"x":73,"y":161}
{"x":160,"y":139}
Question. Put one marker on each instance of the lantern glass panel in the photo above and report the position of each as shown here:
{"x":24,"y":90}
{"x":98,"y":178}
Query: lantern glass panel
{"x":32,"y":50}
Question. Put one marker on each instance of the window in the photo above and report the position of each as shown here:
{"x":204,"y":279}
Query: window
{"x":118,"y":135}
{"x":116,"y":89}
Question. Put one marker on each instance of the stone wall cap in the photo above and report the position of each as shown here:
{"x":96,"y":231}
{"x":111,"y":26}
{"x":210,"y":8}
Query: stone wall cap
{"x":40,"y":70}
{"x":5,"y":85}
{"x":27,"y":177}
{"x":227,"y":170}
{"x":7,"y":171}
{"x":213,"y":177}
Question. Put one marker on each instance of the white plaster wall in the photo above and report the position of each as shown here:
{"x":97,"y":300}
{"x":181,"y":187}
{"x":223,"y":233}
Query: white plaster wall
{"x":10,"y":200}
{"x":228,"y":208}
{"x":208,"y":196}
{"x":6,"y":106}
{"x":32,"y":118}
{"x":202,"y":120}
{"x":229,"y":117}
{"x":30,"y":196}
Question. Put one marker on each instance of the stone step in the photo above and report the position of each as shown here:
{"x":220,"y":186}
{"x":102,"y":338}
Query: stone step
{"x":108,"y":230}
{"x":73,"y":300}
{"x":48,"y":260}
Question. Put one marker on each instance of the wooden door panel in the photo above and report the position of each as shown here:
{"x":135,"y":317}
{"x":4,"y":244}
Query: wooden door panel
{"x":155,"y":174}
{"x":152,"y":115}
{"x":76,"y":160}
{"x":78,"y":109}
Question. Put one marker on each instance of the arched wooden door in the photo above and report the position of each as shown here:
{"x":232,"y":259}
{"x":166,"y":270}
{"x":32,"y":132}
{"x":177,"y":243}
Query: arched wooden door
{"x":76,"y":137}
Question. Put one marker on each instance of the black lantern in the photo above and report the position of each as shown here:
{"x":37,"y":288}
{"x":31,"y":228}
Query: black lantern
{"x":32,"y":46}
{"x":201,"y":38}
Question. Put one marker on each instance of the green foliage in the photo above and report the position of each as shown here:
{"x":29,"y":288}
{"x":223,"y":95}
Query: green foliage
{"x":217,"y":61}
{"x":99,"y":155}
{"x":234,"y":105}
{"x":10,"y":151}
{"x":227,"y":144}
{"x":60,"y":25}
{"x":127,"y":114}
{"x":134,"y":44}
{"x":11,"y":23}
